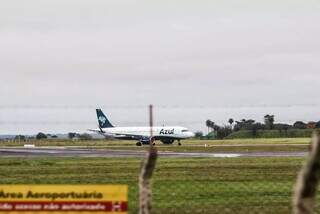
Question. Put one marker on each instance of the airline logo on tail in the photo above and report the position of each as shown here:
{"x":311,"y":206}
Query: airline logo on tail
{"x":102,"y":120}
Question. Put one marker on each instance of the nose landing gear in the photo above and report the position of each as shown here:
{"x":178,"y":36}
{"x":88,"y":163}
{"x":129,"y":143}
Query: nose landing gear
{"x":146,"y":142}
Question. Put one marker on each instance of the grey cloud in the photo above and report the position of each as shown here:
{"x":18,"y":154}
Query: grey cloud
{"x":206,"y":53}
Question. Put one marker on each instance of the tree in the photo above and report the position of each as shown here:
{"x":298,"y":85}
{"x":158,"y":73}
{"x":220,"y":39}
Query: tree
{"x":215,"y":128}
{"x":300,"y":125}
{"x":244,"y":125}
{"x":282,"y":126}
{"x":198,"y":134}
{"x":71,"y":135}
{"x":231,"y":121}
{"x":256,"y":127}
{"x":208,"y":124}
{"x":318,"y":124}
{"x":20,"y":138}
{"x":40,"y":136}
{"x":223,"y":132}
{"x":269,"y":121}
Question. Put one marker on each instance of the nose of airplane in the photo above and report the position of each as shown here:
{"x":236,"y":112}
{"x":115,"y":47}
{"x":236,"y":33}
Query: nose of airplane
{"x":191,"y":134}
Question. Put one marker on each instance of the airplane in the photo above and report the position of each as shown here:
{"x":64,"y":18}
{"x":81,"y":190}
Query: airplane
{"x":166,"y":134}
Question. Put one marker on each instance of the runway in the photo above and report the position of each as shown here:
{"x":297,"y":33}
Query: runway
{"x":72,"y":152}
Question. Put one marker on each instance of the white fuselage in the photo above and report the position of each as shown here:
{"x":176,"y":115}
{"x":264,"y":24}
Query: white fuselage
{"x":174,"y":132}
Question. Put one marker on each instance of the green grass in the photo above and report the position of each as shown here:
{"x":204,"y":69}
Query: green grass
{"x":236,"y":145}
{"x":251,"y":141}
{"x":184,"y":142}
{"x":180,"y":185}
{"x":290,"y":133}
{"x":218,"y":149}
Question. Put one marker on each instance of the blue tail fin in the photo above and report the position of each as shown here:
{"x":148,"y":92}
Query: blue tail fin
{"x":103,"y":120}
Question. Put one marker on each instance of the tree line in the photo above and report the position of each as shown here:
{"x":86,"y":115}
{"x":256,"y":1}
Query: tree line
{"x":214,"y":130}
{"x":43,"y":136}
{"x":220,"y":132}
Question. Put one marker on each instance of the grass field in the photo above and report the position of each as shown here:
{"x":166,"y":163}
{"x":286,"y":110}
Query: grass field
{"x":257,"y":141}
{"x":242,"y":145}
{"x":181,"y":185}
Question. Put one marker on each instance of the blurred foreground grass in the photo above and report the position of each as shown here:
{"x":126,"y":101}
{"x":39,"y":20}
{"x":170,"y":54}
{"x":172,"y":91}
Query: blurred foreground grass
{"x":180,"y":185}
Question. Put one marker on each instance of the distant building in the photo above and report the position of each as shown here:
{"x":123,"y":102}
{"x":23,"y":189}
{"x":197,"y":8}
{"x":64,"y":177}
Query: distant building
{"x":312,"y":125}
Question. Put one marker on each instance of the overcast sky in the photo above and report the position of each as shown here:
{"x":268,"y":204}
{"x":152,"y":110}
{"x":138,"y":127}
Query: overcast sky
{"x":186,"y":53}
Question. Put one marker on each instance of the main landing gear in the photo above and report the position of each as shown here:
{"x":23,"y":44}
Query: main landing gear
{"x":167,"y":142}
{"x":139,"y":143}
{"x":170,"y":142}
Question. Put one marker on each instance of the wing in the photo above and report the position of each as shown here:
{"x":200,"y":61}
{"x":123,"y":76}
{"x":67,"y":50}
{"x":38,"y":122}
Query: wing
{"x":129,"y":136}
{"x":119,"y":135}
{"x":94,"y":130}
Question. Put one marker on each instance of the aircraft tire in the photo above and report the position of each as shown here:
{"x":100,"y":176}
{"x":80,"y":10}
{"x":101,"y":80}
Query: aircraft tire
{"x":139,"y":144}
{"x":169,"y":142}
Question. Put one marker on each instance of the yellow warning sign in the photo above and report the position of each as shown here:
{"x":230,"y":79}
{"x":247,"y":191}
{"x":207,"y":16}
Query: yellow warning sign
{"x":55,"y":199}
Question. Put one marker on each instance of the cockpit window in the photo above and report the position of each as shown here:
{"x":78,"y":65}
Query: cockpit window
{"x":185,"y":130}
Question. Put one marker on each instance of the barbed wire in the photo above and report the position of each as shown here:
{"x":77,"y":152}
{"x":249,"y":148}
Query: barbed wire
{"x":157,"y":106}
{"x":83,"y":122}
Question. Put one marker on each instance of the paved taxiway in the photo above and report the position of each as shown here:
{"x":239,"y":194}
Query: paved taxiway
{"x":72,"y":152}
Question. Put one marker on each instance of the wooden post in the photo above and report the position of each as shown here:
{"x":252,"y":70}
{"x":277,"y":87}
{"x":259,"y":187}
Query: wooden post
{"x":148,"y":166}
{"x":306,"y":187}
{"x":151,"y":123}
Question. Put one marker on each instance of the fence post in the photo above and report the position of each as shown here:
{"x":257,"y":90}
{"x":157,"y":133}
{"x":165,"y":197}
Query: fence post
{"x":148,"y":166}
{"x":306,"y":187}
{"x":144,"y":181}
